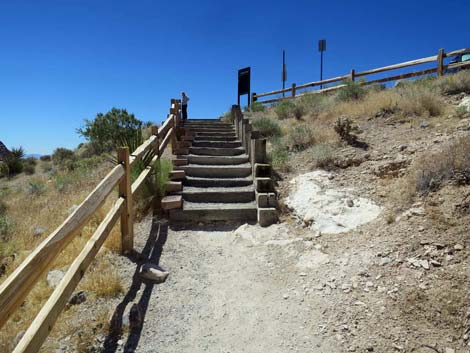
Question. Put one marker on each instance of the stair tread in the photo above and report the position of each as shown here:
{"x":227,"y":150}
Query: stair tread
{"x":187,"y":205}
{"x":221,"y":189}
{"x":216,"y":166}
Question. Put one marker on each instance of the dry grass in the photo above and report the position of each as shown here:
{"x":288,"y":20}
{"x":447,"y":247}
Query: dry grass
{"x":47,"y":210}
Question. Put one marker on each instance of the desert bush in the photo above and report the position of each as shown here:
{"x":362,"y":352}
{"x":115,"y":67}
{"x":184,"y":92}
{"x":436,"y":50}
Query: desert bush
{"x":462,"y":112}
{"x":227,"y":117}
{"x":452,"y":163}
{"x":29,"y":165}
{"x":323,"y":156}
{"x":419,"y":101}
{"x":45,"y":158}
{"x":36,"y":187}
{"x":14,"y":161}
{"x":4,"y":171}
{"x":279,"y":155}
{"x":345,"y":127}
{"x":6,"y":227}
{"x":108,"y":131}
{"x":351,"y":91}
{"x":46,"y":166}
{"x":285,"y":109}
{"x":313,"y":103}
{"x":300,"y":137}
{"x":257,"y":107}
{"x":455,"y":83}
{"x":268,"y":127}
{"x":62,"y":156}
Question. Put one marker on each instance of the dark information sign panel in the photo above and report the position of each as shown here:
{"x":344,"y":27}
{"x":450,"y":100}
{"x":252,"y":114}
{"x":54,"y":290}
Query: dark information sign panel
{"x":244,"y":78}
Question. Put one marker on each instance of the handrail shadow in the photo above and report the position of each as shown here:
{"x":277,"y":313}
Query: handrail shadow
{"x":151,"y":252}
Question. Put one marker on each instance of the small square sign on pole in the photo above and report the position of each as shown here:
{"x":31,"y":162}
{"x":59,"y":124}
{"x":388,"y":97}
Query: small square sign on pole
{"x":244,"y":78}
{"x":322,"y":45}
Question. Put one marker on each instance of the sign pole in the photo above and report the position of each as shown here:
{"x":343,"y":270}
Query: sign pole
{"x":283,"y":71}
{"x":321,"y":49}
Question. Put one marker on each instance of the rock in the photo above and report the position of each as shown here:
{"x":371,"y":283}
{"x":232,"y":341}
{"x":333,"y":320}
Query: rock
{"x":54,"y":277}
{"x":384,"y":261}
{"x":38,"y":231}
{"x":425,"y":264}
{"x":349,"y":203}
{"x":153,"y":273}
{"x":285,"y":296}
{"x":403,"y":147}
{"x":78,"y":298}
{"x":465,"y":103}
{"x":424,"y":124}
{"x":458,"y":247}
{"x":449,"y":350}
{"x":392,"y":168}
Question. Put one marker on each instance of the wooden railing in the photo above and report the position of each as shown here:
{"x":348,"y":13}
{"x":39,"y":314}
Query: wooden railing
{"x":16,"y":287}
{"x":439,"y":70}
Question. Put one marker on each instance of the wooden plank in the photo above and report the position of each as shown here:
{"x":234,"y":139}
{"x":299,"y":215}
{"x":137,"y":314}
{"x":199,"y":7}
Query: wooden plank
{"x":167,"y":124}
{"x":139,"y":153}
{"x":324,"y":82}
{"x":125,"y":191}
{"x":273,"y":92}
{"x":42,"y":325}
{"x":398,"y":66}
{"x":177,"y":175}
{"x":399,"y":77}
{"x":21,"y":281}
{"x":456,"y":65}
{"x":173,"y":186}
{"x":140,"y":180}
{"x":457,"y":52}
{"x":165,"y":141}
{"x":172,"y":202}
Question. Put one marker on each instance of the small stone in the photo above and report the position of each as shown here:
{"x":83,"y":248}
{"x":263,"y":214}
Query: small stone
{"x":154,"y":273}
{"x":318,"y":246}
{"x":349,"y":203}
{"x":302,"y":274}
{"x":458,"y":247}
{"x":403,"y":147}
{"x":384,"y":261}
{"x":370,"y":349}
{"x":435,"y":263}
{"x":449,"y":350}
{"x":78,"y":298}
{"x":38,"y":231}
{"x":54,"y":277}
{"x":18,"y":337}
{"x":424,"y":264}
{"x":424,"y":125}
{"x":285,"y":296}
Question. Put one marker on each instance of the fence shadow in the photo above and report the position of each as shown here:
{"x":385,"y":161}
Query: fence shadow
{"x":150,"y":253}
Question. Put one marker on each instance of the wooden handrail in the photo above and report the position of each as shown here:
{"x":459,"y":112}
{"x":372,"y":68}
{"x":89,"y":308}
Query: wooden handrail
{"x":16,"y":287}
{"x":439,"y":69}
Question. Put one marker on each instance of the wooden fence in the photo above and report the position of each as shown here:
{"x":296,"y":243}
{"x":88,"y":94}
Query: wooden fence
{"x":439,"y":70}
{"x":16,"y":287}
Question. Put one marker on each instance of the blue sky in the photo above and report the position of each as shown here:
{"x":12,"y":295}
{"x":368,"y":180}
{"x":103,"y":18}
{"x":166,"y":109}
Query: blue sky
{"x":63,"y":61}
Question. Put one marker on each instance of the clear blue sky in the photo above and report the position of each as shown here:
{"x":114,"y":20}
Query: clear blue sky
{"x":63,"y":61}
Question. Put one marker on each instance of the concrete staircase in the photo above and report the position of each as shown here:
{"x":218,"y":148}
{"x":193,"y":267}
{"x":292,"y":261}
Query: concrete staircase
{"x":217,"y":184}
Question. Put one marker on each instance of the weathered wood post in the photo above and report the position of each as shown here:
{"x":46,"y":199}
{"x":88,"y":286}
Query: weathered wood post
{"x":258,"y":149}
{"x":174,"y":125}
{"x":125,"y":191}
{"x":294,"y":89}
{"x":440,"y":63}
{"x":352,"y":75}
{"x":154,"y":130}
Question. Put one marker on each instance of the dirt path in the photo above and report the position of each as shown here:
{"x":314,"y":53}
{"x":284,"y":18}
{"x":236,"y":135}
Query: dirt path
{"x":224,"y":294}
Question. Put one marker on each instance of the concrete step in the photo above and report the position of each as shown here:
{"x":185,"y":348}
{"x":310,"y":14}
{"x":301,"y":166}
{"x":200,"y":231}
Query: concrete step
{"x":215,"y":138}
{"x":176,"y":175}
{"x":217,"y":182}
{"x":195,"y":211}
{"x":217,"y":144}
{"x":217,"y":171}
{"x":219,"y":194}
{"x":216,"y":133}
{"x":217,"y":160}
{"x":205,"y":121}
{"x":214,"y":151}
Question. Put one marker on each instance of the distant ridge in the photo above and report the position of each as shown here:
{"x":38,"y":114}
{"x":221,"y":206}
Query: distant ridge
{"x":4,"y":151}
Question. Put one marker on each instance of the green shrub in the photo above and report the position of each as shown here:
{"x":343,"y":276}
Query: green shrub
{"x":268,"y":127}
{"x":4,"y":171}
{"x":6,"y":226}
{"x":163,"y":168}
{"x":45,"y":157}
{"x":46,"y":166}
{"x":257,"y":107}
{"x":300,"y":137}
{"x":279,"y":155}
{"x":3,"y":208}
{"x":462,"y":112}
{"x":351,"y":91}
{"x":29,"y":165}
{"x":420,"y":101}
{"x":62,"y":155}
{"x":323,"y":156}
{"x":345,"y":127}
{"x":36,"y":187}
{"x":14,"y":161}
{"x":285,"y":109}
{"x":108,"y":131}
{"x":312,"y":103}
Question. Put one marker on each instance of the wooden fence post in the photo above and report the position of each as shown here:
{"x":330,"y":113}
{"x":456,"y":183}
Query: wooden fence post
{"x":157,"y":153}
{"x":352,"y":75}
{"x":125,"y":191}
{"x":440,"y":63}
{"x":293,"y":89}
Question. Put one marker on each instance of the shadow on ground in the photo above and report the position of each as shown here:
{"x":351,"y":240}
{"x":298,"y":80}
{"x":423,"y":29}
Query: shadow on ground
{"x":150,"y":253}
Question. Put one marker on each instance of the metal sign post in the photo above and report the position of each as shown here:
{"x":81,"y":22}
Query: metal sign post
{"x":244,"y":78}
{"x":284,"y":71}
{"x":321,"y":49}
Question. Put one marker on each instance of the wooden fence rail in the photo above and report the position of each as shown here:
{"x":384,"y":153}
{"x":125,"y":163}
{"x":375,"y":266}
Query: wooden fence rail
{"x":439,"y":70}
{"x":15,"y":288}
